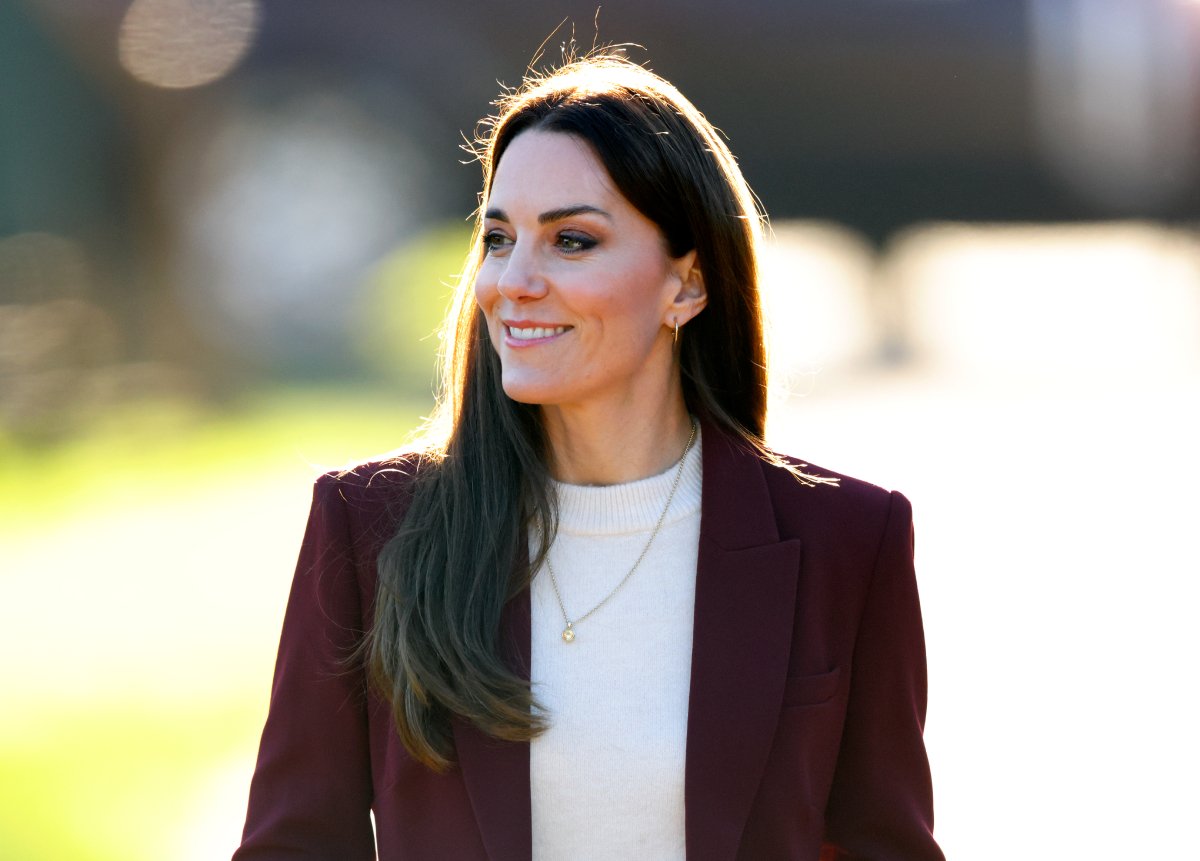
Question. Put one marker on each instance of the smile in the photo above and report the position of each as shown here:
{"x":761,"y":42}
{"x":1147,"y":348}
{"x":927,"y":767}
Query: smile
{"x":534,"y":333}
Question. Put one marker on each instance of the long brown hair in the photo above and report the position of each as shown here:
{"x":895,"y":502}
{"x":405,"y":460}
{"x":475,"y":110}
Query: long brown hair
{"x":482,"y":486}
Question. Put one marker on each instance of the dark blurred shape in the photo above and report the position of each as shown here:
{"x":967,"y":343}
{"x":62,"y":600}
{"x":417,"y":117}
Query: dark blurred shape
{"x":876,"y":113}
{"x":1117,"y":99}
{"x":60,"y":143}
{"x":38,"y":267}
{"x":61,"y":362}
{"x":49,"y":335}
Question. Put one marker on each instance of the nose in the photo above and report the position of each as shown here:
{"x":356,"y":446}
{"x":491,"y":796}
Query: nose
{"x":520,"y":274}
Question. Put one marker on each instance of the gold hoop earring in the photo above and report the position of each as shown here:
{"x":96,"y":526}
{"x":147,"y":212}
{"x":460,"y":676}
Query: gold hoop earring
{"x":676,"y":341}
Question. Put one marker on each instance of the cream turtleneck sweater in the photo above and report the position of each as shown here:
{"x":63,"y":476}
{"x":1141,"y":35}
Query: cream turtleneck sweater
{"x":606,"y":779}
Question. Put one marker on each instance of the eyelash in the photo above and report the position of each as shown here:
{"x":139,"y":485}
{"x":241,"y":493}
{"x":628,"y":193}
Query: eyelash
{"x":570,"y":243}
{"x":578,"y":242}
{"x":493,"y":240}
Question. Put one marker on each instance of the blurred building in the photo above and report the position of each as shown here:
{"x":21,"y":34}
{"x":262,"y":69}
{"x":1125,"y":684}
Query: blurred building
{"x":213,"y":183}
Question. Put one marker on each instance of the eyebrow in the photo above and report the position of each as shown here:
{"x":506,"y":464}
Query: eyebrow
{"x":552,"y":215}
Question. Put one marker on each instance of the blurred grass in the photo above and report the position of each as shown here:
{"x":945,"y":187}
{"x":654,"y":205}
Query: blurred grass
{"x":121,"y":768}
{"x":400,"y":313}
{"x":114,"y":780}
{"x":173,"y":446}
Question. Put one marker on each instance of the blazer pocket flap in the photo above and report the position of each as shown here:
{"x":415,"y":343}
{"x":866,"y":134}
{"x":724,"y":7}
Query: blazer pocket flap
{"x":811,"y":690}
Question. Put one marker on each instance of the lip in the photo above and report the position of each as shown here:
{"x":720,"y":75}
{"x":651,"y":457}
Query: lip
{"x":519,"y":343}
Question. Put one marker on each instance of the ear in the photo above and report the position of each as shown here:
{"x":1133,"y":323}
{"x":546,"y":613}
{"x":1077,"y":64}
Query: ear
{"x":690,"y":296}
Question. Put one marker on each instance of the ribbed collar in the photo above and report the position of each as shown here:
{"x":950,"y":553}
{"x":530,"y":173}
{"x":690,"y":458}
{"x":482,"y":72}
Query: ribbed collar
{"x":633,"y":507}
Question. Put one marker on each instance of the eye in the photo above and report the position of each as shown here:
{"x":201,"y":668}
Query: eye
{"x":574,"y":242}
{"x":494,"y":240}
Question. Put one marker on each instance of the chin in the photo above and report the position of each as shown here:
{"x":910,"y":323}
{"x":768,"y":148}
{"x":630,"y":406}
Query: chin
{"x":530,"y":391}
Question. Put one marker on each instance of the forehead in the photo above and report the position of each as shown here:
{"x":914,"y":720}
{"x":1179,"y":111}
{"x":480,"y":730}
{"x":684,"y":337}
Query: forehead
{"x":541,"y":167}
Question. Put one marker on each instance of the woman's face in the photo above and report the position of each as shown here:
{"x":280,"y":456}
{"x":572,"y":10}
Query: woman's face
{"x":577,"y":286}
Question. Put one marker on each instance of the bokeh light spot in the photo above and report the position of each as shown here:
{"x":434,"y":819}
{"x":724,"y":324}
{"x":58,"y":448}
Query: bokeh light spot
{"x":186,"y":43}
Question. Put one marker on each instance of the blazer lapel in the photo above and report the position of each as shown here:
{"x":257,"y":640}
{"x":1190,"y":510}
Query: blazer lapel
{"x":496,"y":773}
{"x":745,"y":605}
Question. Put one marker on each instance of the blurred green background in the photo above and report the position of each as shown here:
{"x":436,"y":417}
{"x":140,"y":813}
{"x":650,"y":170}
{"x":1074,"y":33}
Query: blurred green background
{"x":146,"y":563}
{"x":229,"y":228}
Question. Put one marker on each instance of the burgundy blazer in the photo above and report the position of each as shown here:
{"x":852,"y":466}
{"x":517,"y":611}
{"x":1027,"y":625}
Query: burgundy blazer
{"x":805,"y":718}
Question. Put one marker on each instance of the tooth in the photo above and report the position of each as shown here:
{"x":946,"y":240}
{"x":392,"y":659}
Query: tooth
{"x":534,"y":332}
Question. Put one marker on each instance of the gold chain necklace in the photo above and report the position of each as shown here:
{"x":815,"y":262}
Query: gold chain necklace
{"x":568,"y":633}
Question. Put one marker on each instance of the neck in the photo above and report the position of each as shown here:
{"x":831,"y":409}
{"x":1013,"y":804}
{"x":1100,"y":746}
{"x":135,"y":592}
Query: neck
{"x":605,"y":446}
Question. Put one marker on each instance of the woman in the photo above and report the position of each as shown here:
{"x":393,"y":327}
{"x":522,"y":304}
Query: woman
{"x":596,"y":617}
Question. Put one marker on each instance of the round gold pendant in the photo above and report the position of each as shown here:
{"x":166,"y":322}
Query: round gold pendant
{"x":568,"y":634}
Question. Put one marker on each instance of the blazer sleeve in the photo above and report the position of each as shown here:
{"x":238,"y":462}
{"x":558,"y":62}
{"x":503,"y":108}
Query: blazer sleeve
{"x":881,"y":802}
{"x":311,"y":794}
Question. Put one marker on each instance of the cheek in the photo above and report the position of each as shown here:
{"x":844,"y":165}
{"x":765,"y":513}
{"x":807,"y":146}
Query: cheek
{"x":638,"y":303}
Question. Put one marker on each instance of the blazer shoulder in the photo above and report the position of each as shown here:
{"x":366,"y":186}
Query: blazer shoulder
{"x":833,"y":497}
{"x":375,"y":495}
{"x":388,"y":475}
